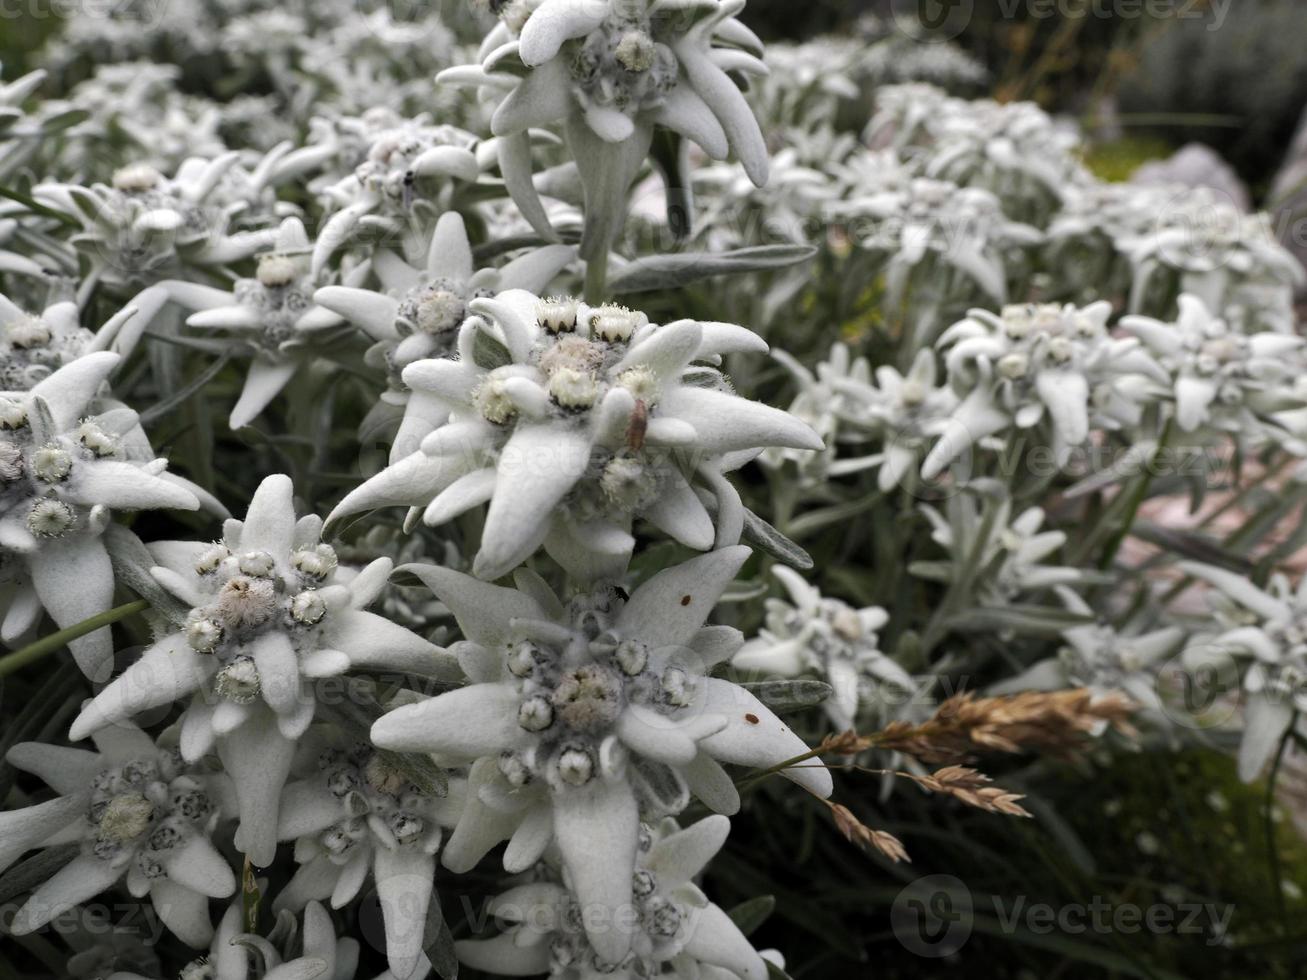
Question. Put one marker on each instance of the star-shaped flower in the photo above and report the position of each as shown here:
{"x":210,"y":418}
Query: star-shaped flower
{"x":270,"y":613}
{"x":357,"y":813}
{"x":582,"y":714}
{"x":137,"y":811}
{"x":417,"y":312}
{"x":64,"y":469}
{"x":678,"y":932}
{"x":572,"y":420}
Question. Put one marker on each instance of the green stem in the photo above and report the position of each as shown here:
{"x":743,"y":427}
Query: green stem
{"x":48,"y":644}
{"x":596,"y":279}
{"x":1272,"y":848}
{"x":1135,"y":501}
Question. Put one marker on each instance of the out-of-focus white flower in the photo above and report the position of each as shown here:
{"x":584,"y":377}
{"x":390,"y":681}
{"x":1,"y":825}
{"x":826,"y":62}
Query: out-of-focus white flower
{"x":412,"y":160}
{"x":904,"y":412}
{"x":358,"y":813}
{"x":1101,"y":658}
{"x":612,"y":71}
{"x":319,"y":954}
{"x":417,"y":312}
{"x":32,"y":345}
{"x":1011,"y":556}
{"x":949,"y":241}
{"x":143,"y":227}
{"x":1036,"y":362}
{"x":1268,"y":627}
{"x":830,"y":640}
{"x":678,"y":931}
{"x":137,"y":811}
{"x":826,"y":400}
{"x":581,"y":714}
{"x":1220,"y":377}
{"x":63,"y":471}
{"x":268,"y":315}
{"x":269,"y":615}
{"x":1013,"y":150}
{"x":585,"y":418}
{"x":1194,"y":241}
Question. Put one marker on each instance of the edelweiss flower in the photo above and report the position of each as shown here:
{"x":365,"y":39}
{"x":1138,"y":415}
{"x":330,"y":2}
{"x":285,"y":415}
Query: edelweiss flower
{"x":359,"y":813}
{"x":905,"y":412}
{"x":412,"y":160}
{"x":145,"y":227}
{"x":612,"y":71}
{"x":581,"y":714}
{"x":1195,"y":242}
{"x":588,"y":417}
{"x":678,"y":931}
{"x":830,"y":640}
{"x":34,"y":345}
{"x":939,"y":231}
{"x":62,"y":474}
{"x":1034,"y":362}
{"x":420,"y":310}
{"x":1101,"y":658}
{"x":136,"y":810}
{"x":825,"y":403}
{"x":270,"y":313}
{"x":1269,"y":626}
{"x":1010,"y":558}
{"x":323,"y":956}
{"x":1220,"y":377}
{"x":270,"y":614}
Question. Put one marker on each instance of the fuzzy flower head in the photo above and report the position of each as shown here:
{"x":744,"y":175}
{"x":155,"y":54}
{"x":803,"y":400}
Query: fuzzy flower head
{"x":143,"y":227}
{"x":1012,"y":550}
{"x":571,"y":420}
{"x":611,"y":71}
{"x":585,"y":715}
{"x":418,"y":309}
{"x":413,"y":160}
{"x":32,"y":346}
{"x":830,"y":640}
{"x":1037,"y":362}
{"x":1266,"y":631}
{"x":678,"y":932}
{"x":904,"y":412}
{"x":270,"y":315}
{"x":927,"y":225}
{"x":1219,"y":376}
{"x":826,"y":400}
{"x":359,"y":811}
{"x":137,"y":812}
{"x":63,"y":472}
{"x":271,"y":611}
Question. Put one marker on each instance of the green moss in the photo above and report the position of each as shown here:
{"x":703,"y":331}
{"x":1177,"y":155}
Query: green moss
{"x":1118,"y":159}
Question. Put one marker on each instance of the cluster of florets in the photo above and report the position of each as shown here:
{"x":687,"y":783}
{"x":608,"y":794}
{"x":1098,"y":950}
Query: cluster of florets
{"x":31,"y":348}
{"x":376,"y":800}
{"x":251,"y":597}
{"x":143,"y":811}
{"x":573,"y":685}
{"x":621,"y":65}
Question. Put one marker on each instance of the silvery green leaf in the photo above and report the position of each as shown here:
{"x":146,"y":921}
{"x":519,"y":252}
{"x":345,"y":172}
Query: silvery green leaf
{"x":36,"y":870}
{"x":748,"y":916}
{"x":758,"y":532}
{"x":676,"y":270}
{"x":438,"y":941}
{"x":1126,"y":466}
{"x":132,"y":562}
{"x":489,"y":352}
{"x":785,"y":696}
{"x":1027,"y":619}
